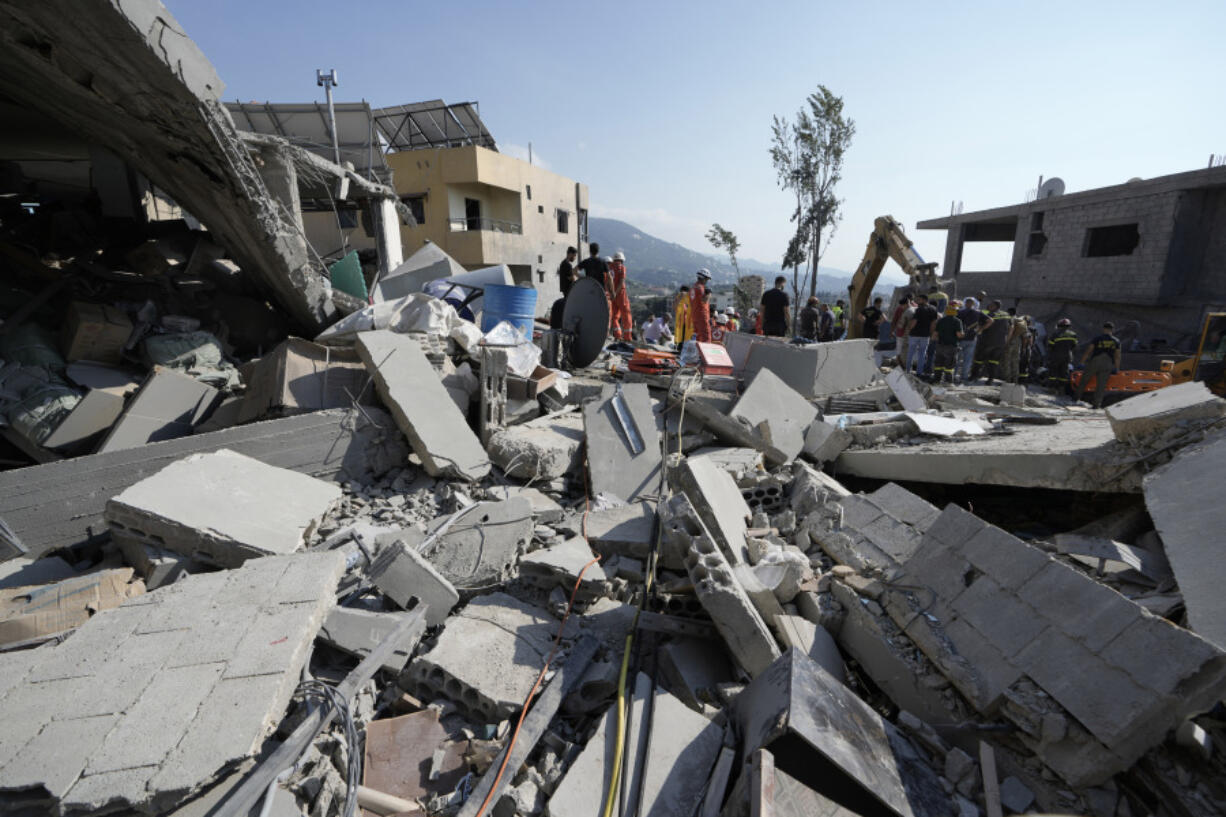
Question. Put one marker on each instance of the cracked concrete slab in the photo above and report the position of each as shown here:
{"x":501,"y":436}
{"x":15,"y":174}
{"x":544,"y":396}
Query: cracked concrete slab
{"x":148,"y":709}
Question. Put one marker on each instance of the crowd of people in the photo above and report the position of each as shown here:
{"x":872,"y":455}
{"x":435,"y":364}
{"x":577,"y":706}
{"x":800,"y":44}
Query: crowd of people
{"x":935,"y":337}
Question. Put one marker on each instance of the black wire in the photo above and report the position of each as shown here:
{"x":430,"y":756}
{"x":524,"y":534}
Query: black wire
{"x":319,"y":693}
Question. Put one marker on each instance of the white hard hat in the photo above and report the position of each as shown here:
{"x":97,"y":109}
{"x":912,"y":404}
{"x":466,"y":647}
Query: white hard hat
{"x":619,"y":256}
{"x":721,"y":318}
{"x":608,"y":260}
{"x":704,"y":273}
{"x":729,"y":311}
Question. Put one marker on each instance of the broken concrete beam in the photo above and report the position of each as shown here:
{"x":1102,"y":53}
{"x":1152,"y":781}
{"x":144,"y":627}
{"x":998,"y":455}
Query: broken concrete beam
{"x":357,"y":632}
{"x":666,"y":766}
{"x":725,"y":600}
{"x":60,"y":504}
{"x":413,"y":393}
{"x":167,"y":405}
{"x":1146,"y":417}
{"x":815,"y":370}
{"x":512,"y":639}
{"x":786,"y":413}
{"x":479,"y":548}
{"x":613,"y":467}
{"x":1073,"y":455}
{"x":881,"y":767}
{"x":720,"y":505}
{"x":824,"y":442}
{"x":1002,"y":621}
{"x":562,"y":566}
{"x":222,"y":508}
{"x":404,"y":575}
{"x":543,"y":449}
{"x":1190,"y":517}
{"x":212,"y":661}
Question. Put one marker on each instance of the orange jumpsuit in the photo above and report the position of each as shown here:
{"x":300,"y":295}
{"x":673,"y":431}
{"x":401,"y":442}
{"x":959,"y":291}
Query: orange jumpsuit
{"x":700,"y":313}
{"x":623,"y":326}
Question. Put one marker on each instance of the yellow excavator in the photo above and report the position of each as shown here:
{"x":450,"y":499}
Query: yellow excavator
{"x":886,"y":241}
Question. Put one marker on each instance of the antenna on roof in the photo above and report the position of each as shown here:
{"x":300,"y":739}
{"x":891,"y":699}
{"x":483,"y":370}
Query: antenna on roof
{"x":1051,"y":188}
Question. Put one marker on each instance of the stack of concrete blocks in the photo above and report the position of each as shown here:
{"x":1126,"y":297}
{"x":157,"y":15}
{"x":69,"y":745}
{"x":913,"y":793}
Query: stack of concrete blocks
{"x":1091,"y":679}
{"x":735,"y":615}
{"x":493,"y":392}
{"x":147,"y":702}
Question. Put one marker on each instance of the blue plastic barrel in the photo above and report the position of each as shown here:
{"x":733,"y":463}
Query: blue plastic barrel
{"x":516,"y":305}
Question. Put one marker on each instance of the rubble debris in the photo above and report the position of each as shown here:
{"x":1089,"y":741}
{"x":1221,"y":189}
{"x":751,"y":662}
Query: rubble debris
{"x":814,"y":370}
{"x":787,"y":415}
{"x":404,"y":575}
{"x":157,"y":566}
{"x":476,"y":547}
{"x":624,"y":530}
{"x":720,"y":505}
{"x":912,"y":394}
{"x":1012,"y":394}
{"x":493,"y":390}
{"x":358,"y":632}
{"x":881,"y":765}
{"x":545,"y":509}
{"x":212,"y":660}
{"x":561,"y":565}
{"x":616,"y":465}
{"x":25,"y":572}
{"x":96,"y":412}
{"x":664,"y":767}
{"x":1100,"y":550}
{"x":512,"y":637}
{"x":166,"y":406}
{"x":1189,"y":517}
{"x":1146,"y":418}
{"x":31,"y":613}
{"x":61,"y":504}
{"x":300,"y":376}
{"x":1076,"y":454}
{"x":547,"y":448}
{"x":95,"y":332}
{"x":693,"y":668}
{"x":412,"y":392}
{"x":825,"y":441}
{"x":400,"y":756}
{"x":221,"y":508}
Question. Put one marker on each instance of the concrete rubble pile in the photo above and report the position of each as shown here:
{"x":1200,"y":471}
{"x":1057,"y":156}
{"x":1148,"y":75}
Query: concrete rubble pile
{"x":383,"y":565}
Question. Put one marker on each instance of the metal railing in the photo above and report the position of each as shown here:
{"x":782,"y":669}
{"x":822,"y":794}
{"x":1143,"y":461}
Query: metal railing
{"x":460,"y":225}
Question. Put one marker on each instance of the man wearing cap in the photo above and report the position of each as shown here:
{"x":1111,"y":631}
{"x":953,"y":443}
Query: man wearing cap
{"x":1101,"y":360}
{"x":619,"y":297}
{"x":567,"y":275}
{"x":1060,"y":348}
{"x":775,"y":310}
{"x":946,"y":333}
{"x":700,"y":312}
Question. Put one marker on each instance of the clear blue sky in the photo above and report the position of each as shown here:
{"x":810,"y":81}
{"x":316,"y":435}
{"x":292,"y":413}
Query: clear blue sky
{"x":664,"y":108}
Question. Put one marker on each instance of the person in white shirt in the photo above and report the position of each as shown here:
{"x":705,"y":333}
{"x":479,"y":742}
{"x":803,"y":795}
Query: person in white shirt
{"x":657,"y":329}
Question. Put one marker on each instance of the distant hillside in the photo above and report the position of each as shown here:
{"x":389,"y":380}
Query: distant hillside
{"x":656,"y":262}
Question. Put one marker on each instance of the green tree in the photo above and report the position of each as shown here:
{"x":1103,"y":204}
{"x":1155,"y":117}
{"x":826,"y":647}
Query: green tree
{"x":808,"y":157}
{"x":722,"y":239}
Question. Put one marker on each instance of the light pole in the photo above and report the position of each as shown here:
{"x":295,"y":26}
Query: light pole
{"x":328,"y":80}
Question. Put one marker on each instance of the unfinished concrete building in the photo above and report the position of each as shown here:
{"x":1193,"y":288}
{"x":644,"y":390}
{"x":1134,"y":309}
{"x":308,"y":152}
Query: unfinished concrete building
{"x":1149,"y":254}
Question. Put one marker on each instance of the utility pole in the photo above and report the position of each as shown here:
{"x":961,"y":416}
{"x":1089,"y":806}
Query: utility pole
{"x":328,"y":80}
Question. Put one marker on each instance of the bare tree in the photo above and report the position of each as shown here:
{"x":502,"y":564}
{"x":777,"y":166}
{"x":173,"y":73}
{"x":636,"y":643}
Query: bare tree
{"x":808,"y":157}
{"x":722,"y":239}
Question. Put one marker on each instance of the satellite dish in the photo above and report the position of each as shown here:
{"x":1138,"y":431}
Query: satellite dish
{"x":1051,"y":188}
{"x":1135,"y":179}
{"x":585,"y":317}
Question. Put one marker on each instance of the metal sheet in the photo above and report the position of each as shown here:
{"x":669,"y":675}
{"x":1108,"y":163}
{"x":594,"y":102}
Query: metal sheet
{"x":431,"y":124}
{"x":307,"y":125}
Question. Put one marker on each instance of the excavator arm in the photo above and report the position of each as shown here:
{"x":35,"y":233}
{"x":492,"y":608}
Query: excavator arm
{"x":885,"y":242}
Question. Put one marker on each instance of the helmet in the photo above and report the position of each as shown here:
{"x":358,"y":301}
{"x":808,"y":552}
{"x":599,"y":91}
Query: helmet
{"x":1064,"y":322}
{"x":619,"y":256}
{"x":704,"y":273}
{"x":721,"y":318}
{"x":608,"y":260}
{"x":729,"y":311}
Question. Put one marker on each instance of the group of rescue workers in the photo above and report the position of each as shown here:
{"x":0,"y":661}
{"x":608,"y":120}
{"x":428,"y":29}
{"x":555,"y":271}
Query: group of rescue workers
{"x":930,"y":334}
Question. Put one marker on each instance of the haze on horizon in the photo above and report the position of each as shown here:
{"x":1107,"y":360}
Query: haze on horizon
{"x":664,"y":110}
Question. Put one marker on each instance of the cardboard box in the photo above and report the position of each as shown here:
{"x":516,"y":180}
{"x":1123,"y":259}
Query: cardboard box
{"x":300,"y":376}
{"x":519,"y":388}
{"x":95,"y":332}
{"x":28,"y":613}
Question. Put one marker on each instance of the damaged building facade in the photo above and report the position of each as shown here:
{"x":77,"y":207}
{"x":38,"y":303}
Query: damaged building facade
{"x":1149,"y":254}
{"x":380,"y":557}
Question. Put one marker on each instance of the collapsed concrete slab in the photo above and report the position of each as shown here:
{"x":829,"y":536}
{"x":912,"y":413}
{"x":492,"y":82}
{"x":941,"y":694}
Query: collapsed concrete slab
{"x":512,"y":639}
{"x":357,"y":632}
{"x":405,"y":576}
{"x":1147,"y":417}
{"x":1190,"y":517}
{"x":1076,"y":454}
{"x":563,"y":565}
{"x":544,"y":508}
{"x":413,"y":393}
{"x":153,"y":98}
{"x":60,"y":504}
{"x":479,"y":548}
{"x":168,"y":405}
{"x":613,"y":467}
{"x":876,"y":531}
{"x":664,"y":765}
{"x":780,"y":708}
{"x":546,"y":448}
{"x":787,"y":415}
{"x":1091,"y":679}
{"x":815,"y":370}
{"x":222,"y":508}
{"x":824,"y":442}
{"x":211,"y":661}
{"x":627,"y":530}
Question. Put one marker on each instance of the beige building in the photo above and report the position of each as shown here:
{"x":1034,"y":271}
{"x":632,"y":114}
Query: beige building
{"x":483,"y":208}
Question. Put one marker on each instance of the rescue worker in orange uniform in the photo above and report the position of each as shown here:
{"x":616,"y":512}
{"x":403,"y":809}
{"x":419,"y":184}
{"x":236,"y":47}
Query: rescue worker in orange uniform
{"x":700,"y":311}
{"x":720,"y":329}
{"x":619,"y":299}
